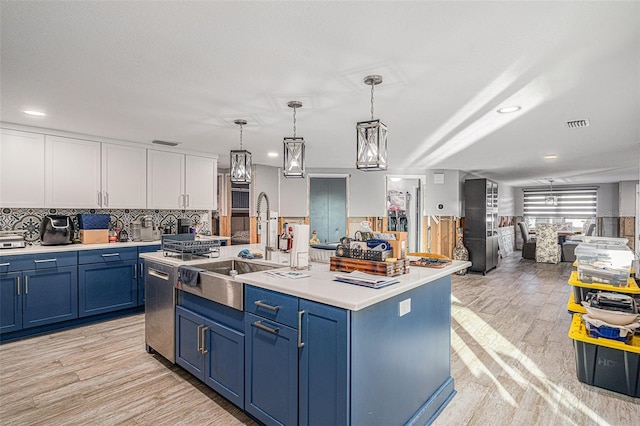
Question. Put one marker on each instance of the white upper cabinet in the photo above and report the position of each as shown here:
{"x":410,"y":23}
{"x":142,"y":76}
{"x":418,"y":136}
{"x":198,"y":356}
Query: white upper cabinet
{"x":72,"y":173}
{"x":200,"y":183}
{"x":165,"y":180}
{"x":178,"y":181}
{"x":21,"y":169}
{"x":124,"y":177}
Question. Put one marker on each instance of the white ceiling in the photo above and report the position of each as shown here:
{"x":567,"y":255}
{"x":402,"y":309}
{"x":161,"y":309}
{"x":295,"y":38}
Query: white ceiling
{"x":183,"y":71}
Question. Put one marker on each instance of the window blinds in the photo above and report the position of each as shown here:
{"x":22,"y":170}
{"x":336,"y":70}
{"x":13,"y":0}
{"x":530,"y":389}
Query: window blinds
{"x":567,"y":202}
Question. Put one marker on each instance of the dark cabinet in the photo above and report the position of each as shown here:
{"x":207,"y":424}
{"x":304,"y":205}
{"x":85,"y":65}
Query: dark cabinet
{"x":481,"y":223}
{"x":108,"y":280}
{"x":38,"y":290}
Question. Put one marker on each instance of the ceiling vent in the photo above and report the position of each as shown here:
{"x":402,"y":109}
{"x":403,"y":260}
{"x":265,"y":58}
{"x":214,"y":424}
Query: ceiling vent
{"x":578,"y":123}
{"x":165,"y":143}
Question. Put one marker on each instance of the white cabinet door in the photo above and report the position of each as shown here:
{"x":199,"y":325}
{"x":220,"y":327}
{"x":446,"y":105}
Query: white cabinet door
{"x":72,"y":173}
{"x":21,"y":169}
{"x":200,"y":190}
{"x":165,"y":180}
{"x":124,"y":177}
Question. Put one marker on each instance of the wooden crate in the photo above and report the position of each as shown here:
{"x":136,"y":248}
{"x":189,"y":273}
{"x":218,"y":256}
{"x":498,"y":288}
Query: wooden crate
{"x":389,"y":269}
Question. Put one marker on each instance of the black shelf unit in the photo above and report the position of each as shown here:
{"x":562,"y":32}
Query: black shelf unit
{"x":481,"y":223}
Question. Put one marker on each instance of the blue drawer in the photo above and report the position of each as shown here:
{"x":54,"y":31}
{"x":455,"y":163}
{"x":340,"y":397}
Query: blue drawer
{"x":28,"y":262}
{"x":148,"y":249}
{"x":271,"y":305}
{"x":116,"y":254}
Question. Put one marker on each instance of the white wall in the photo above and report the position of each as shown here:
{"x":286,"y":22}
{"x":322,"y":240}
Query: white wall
{"x":627,"y":198}
{"x":507,"y":200}
{"x":608,"y":200}
{"x":293,"y":197}
{"x":449,"y":194}
{"x":265,"y":180}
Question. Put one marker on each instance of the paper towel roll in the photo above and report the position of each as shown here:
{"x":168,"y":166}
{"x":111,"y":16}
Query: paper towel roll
{"x":300,"y":250}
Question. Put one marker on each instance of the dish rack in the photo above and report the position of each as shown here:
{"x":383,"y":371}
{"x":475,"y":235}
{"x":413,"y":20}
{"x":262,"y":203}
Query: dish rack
{"x":187,"y":249}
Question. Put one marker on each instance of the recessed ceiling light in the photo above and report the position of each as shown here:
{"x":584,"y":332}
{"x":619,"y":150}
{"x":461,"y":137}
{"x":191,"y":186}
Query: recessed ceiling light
{"x":395,"y":179}
{"x":34,"y":113}
{"x":509,"y":109}
{"x":550,"y":157}
{"x":272,"y":154}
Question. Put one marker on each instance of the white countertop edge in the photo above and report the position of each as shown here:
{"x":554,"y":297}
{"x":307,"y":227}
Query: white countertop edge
{"x":344,"y":295}
{"x":37,"y":249}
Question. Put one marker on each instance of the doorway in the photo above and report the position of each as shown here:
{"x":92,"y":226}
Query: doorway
{"x":328,"y":207}
{"x":404,"y":209}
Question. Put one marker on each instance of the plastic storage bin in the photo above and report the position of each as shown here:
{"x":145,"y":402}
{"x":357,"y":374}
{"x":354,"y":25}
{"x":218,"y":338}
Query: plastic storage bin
{"x":606,"y":363}
{"x":93,"y":220}
{"x":605,"y":262}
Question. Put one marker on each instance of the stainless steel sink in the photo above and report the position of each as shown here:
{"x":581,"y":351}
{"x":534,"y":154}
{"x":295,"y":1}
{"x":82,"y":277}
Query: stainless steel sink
{"x":216,"y":283}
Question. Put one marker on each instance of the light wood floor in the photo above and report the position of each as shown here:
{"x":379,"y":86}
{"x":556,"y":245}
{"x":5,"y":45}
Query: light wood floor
{"x":512,"y":362}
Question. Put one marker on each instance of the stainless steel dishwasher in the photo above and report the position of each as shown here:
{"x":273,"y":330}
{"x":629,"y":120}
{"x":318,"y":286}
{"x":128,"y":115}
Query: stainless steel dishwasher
{"x":159,"y":322}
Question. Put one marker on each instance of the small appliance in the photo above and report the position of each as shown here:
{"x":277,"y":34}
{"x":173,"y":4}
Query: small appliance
{"x":184,"y":224}
{"x":12,"y":239}
{"x":56,"y":230}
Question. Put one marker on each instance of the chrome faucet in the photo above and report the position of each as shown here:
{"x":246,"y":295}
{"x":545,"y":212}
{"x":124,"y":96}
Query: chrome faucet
{"x":268,"y":248}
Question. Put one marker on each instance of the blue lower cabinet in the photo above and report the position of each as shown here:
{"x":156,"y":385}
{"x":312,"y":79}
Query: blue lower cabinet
{"x":324,"y":365}
{"x":271,"y":363}
{"x":107,"y":287}
{"x":211,"y":352}
{"x":49,"y":296}
{"x":38,"y":297}
{"x":10,"y":302}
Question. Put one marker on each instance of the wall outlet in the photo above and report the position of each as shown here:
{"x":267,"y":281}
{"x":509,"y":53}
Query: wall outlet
{"x":404,"y":307}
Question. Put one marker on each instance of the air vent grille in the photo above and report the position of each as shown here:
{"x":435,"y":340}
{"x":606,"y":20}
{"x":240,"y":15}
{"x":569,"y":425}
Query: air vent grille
{"x":578,"y":123}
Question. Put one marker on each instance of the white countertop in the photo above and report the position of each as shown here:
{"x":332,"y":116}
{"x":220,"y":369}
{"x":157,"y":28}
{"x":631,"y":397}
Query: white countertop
{"x":36,"y":249}
{"x":319,"y":286}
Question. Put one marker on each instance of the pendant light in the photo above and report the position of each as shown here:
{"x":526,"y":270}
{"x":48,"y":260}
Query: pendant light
{"x":371,"y":142}
{"x":294,"y":149}
{"x":240,"y":161}
{"x":551,"y":200}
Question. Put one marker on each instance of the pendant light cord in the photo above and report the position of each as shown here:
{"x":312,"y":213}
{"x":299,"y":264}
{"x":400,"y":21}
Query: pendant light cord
{"x":241,"y":137}
{"x":372,"y":85}
{"x":294,"y":122}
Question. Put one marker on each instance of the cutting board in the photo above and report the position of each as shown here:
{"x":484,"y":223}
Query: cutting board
{"x":389,"y":269}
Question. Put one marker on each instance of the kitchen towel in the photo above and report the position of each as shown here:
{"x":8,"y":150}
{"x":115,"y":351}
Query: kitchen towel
{"x":188,"y":275}
{"x":300,"y":248}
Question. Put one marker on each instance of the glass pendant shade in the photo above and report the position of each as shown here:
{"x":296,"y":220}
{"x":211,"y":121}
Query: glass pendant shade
{"x":294,"y":157}
{"x":240,"y":161}
{"x":371,"y":151}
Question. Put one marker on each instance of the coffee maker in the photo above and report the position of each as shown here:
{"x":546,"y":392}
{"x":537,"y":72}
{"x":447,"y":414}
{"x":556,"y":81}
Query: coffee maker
{"x":184,"y":225}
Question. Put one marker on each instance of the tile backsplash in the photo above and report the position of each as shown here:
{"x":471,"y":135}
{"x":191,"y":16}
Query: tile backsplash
{"x":29,"y":219}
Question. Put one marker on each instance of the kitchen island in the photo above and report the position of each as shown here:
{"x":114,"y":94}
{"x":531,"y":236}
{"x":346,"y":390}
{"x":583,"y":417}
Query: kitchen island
{"x":312,"y":350}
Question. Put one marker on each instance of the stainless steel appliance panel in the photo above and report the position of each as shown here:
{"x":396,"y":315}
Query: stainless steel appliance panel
{"x":160,"y":294}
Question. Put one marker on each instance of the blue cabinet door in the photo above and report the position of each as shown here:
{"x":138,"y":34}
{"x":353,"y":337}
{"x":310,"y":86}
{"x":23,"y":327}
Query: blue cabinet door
{"x":271,"y":368}
{"x":324,"y":365}
{"x":189,"y":341}
{"x":224,"y":362}
{"x":141,"y":280}
{"x":49,"y":296}
{"x":107,"y":287}
{"x":10,"y":302}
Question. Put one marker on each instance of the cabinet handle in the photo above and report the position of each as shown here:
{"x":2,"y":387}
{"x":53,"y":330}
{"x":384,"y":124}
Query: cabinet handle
{"x":26,"y":284}
{"x":135,"y":272}
{"x":261,"y":304}
{"x":300,"y":342}
{"x":106,"y":199}
{"x":187,"y":204}
{"x":18,"y":285}
{"x":141,"y":270}
{"x":99,"y":198}
{"x":259,"y":324}
{"x":5,"y":264}
{"x":46,"y":260}
{"x":158,"y":274}
{"x":199,"y":337}
{"x":181,"y":200}
{"x":204,"y":340}
{"x":110,"y":254}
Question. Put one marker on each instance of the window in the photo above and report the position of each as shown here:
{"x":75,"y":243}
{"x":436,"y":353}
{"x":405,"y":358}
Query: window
{"x":574,"y":206}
